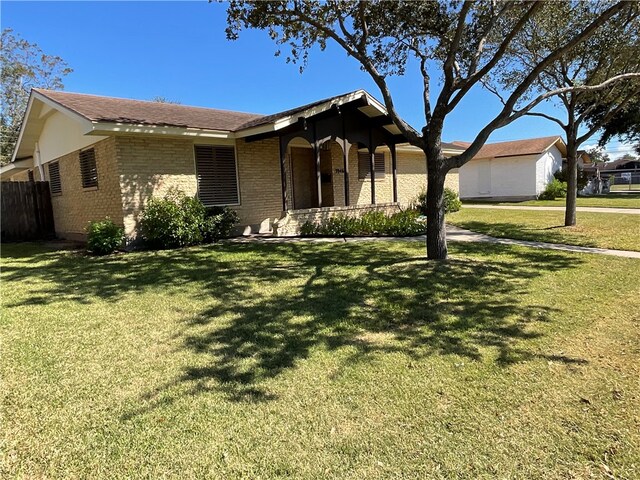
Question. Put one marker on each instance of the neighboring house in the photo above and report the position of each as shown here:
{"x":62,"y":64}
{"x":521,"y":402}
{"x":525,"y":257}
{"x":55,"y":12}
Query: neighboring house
{"x":107,"y":156}
{"x":517,"y":170}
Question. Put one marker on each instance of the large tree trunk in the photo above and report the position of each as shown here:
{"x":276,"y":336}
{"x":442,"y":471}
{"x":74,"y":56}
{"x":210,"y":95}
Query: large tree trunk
{"x":572,"y":182}
{"x":436,"y":233}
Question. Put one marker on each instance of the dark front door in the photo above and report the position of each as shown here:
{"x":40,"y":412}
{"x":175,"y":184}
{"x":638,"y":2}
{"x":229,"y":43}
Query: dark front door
{"x":305,"y":185}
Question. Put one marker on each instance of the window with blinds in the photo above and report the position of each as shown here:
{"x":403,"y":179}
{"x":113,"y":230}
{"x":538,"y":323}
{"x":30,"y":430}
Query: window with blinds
{"x":55,"y":186}
{"x":217,"y":175}
{"x":88,"y":168}
{"x":363,"y":165}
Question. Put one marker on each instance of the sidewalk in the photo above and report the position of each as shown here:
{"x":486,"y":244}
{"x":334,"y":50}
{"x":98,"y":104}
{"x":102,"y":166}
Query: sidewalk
{"x":454,"y":234}
{"x":630,"y":211}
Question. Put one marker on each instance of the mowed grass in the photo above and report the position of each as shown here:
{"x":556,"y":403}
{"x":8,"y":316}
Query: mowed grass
{"x":618,"y":231}
{"x":344,"y":360}
{"x":631,"y":200}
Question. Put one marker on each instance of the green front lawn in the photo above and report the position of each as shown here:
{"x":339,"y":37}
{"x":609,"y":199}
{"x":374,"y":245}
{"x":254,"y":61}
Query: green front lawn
{"x":631,"y":200}
{"x":603,"y":230}
{"x":344,"y":360}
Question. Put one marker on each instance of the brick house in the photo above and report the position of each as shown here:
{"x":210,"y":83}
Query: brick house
{"x":107,"y":156}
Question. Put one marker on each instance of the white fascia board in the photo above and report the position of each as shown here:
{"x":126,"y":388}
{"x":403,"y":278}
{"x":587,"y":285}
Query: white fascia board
{"x":11,"y":169}
{"x":22,"y":128}
{"x":110,"y":128}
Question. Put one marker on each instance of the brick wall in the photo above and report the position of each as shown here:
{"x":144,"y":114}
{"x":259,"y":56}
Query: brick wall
{"x":76,"y":206}
{"x":149,"y":167}
{"x":290,"y":224}
{"x":260,"y":183}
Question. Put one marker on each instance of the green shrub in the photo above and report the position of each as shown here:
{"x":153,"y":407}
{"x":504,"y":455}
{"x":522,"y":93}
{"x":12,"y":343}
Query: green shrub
{"x":583,"y":177}
{"x":218,"y":223}
{"x":104,"y":237}
{"x":452,"y":202}
{"x":555,"y":189}
{"x":375,"y":223}
{"x":173,"y":221}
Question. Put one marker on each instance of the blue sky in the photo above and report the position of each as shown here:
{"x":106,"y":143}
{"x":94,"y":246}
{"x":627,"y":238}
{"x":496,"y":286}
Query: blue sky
{"x":178,"y":50}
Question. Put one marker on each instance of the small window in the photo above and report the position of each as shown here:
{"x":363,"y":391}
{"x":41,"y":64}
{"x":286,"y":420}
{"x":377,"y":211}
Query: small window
{"x":30,"y":175}
{"x":88,"y":169}
{"x":55,"y":186}
{"x":216,"y":174}
{"x":363,"y":165}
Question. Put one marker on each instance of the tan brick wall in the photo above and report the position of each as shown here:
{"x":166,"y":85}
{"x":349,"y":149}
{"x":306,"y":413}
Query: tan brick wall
{"x":260,"y":182}
{"x":149,"y":167}
{"x":412,"y":176}
{"x":291,"y":223}
{"x":76,"y":206}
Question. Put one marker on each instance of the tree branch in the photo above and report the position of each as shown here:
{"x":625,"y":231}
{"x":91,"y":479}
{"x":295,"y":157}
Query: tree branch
{"x":548,"y":117}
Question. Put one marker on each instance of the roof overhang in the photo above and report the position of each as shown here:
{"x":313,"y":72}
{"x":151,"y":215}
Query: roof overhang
{"x":371,"y":108}
{"x":9,"y":170}
{"x":113,"y":128}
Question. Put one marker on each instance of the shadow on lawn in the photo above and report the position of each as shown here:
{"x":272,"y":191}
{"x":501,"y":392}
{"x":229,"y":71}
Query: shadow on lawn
{"x":551,"y":234}
{"x":270,"y":305}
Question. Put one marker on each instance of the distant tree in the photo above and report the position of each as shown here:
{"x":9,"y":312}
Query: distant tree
{"x":606,"y":67}
{"x":24,"y":66}
{"x":460,"y":42}
{"x":161,"y":99}
{"x":598,"y":155}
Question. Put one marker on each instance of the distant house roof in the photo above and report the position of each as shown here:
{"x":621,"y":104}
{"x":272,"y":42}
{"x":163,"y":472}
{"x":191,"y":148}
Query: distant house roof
{"x":530,"y":146}
{"x":97,"y":108}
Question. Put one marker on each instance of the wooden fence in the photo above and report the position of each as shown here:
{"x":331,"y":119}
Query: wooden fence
{"x":26,"y":212}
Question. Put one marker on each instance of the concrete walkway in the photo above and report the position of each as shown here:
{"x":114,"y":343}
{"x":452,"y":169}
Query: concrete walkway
{"x":454,"y":234}
{"x":631,"y":211}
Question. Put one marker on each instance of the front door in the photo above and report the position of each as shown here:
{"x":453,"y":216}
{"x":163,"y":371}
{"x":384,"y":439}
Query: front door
{"x":305,"y":186}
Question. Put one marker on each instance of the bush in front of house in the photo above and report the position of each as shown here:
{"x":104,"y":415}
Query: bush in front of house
{"x":555,"y":189}
{"x":177,"y":220}
{"x":218,"y":223}
{"x":402,"y":224}
{"x":104,"y":237}
{"x":452,"y":201}
{"x":583,"y":177}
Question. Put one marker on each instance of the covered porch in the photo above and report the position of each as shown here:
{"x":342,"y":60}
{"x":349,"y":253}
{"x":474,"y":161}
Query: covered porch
{"x":336,"y":157}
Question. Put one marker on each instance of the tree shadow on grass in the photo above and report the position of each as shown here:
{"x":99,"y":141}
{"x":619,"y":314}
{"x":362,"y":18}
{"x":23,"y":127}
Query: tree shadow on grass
{"x":269,"y":306}
{"x":516,"y":231}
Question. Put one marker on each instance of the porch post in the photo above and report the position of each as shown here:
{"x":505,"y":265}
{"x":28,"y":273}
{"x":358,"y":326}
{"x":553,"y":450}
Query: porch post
{"x":394,"y":172}
{"x":316,"y":150}
{"x":283,"y":173}
{"x":372,"y":167}
{"x":345,"y":162}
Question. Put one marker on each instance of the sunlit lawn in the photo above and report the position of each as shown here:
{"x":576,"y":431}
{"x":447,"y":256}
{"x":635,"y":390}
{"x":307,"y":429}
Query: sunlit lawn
{"x":345,"y":360}
{"x":605,"y":230}
{"x":615,"y":200}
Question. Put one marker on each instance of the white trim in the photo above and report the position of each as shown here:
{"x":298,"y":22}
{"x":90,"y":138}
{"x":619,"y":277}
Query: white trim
{"x":106,"y":128}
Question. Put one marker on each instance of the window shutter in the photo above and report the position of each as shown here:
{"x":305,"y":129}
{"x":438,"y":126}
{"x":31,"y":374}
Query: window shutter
{"x":88,"y":168}
{"x":363,"y":165}
{"x":216,"y":173}
{"x":55,"y":186}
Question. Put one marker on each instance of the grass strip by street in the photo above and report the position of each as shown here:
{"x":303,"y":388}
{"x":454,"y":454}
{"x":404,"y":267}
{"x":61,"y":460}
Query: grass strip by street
{"x":602,"y":230}
{"x":343,"y":360}
{"x":605,"y":201}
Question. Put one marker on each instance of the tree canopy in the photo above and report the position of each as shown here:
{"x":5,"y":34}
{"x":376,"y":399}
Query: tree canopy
{"x":24,"y":66}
